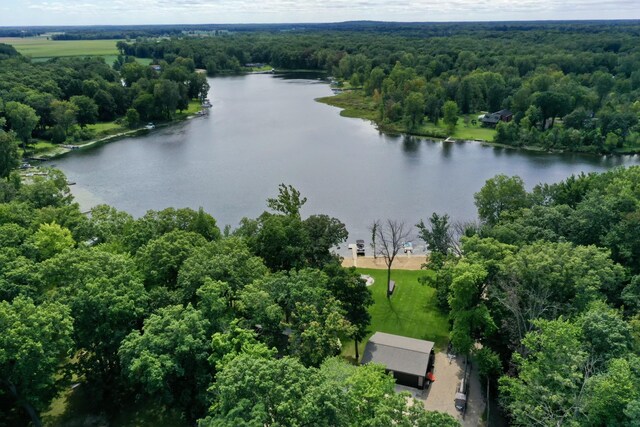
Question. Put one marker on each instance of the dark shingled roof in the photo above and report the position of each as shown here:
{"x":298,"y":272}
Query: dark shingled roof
{"x":399,"y":354}
{"x":492,"y":118}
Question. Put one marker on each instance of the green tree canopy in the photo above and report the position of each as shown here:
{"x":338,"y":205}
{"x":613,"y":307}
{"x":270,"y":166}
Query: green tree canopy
{"x":22,"y":119}
{"x":168,"y":359}
{"x":499,"y":194}
{"x":9,"y":157}
{"x":35,"y":340}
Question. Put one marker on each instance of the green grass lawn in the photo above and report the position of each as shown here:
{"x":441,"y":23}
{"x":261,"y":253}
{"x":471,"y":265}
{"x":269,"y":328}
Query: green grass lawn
{"x":42,"y":147}
{"x":144,"y":61}
{"x":194,"y":107}
{"x":265,"y":67}
{"x":411,"y":311}
{"x":105,"y":128}
{"x":464,"y":129}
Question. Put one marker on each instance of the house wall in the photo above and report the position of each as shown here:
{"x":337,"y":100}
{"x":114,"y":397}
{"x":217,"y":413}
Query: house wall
{"x":408,"y":379}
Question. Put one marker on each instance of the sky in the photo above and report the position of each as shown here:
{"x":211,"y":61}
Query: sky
{"x":123,"y":12}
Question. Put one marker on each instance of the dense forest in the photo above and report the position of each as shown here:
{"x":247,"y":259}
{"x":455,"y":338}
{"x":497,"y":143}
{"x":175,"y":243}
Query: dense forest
{"x":549,"y":284}
{"x":570,"y":86}
{"x":56,"y":100}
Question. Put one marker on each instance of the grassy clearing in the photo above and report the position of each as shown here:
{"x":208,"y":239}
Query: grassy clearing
{"x":411,"y":311}
{"x":354,"y":104}
{"x":264,"y":68}
{"x":105,"y":128}
{"x":464,"y":130}
{"x":194,"y":107}
{"x":42,"y":148}
{"x":40,"y":47}
{"x":144,"y":61}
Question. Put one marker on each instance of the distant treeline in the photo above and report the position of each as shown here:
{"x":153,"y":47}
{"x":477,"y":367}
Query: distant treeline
{"x":424,"y":29}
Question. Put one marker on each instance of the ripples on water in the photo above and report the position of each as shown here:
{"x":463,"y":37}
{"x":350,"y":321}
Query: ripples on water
{"x":263,"y":130}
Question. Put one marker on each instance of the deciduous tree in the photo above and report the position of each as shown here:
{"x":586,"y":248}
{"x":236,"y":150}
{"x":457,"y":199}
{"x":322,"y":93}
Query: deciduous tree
{"x":500,"y":193}
{"x":22,"y":119}
{"x":450,"y":115}
{"x":391,"y":235}
{"x":34,"y":342}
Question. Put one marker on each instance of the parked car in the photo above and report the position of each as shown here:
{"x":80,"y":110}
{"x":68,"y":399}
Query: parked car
{"x":360,"y":247}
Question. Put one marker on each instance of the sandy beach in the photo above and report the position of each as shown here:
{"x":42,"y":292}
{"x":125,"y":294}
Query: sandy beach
{"x":402,"y":262}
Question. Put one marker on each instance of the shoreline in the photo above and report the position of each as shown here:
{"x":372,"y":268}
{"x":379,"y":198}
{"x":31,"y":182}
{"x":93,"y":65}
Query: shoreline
{"x":353,"y":113}
{"x":64,"y":149}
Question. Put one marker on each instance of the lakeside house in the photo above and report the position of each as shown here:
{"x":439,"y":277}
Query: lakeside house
{"x":492,"y":119}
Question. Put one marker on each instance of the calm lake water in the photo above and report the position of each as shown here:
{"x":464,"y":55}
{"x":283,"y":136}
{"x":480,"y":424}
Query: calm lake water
{"x":264,"y":130}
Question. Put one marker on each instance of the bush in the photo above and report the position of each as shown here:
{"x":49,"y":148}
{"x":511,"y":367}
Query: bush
{"x":77,"y":134}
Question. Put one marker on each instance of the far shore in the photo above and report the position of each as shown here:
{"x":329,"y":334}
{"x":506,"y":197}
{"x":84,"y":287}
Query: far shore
{"x":358,"y":112}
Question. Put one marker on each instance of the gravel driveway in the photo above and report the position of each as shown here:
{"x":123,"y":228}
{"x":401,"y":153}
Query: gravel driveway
{"x":440,"y":394}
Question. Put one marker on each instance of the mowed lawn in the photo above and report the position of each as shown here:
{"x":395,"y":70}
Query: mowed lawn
{"x":411,"y":311}
{"x":465,"y":129}
{"x":40,"y":47}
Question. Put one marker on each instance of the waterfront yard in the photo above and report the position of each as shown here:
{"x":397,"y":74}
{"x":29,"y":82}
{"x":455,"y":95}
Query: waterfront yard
{"x":356,"y":104}
{"x":411,"y":311}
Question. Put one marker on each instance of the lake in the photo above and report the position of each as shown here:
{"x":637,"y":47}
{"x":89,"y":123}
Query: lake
{"x":264,"y":130}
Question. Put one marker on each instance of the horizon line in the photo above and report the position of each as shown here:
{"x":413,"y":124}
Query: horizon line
{"x":593,"y":20}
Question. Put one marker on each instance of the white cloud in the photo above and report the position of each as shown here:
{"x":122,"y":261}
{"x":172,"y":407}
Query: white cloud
{"x":59,"y":12}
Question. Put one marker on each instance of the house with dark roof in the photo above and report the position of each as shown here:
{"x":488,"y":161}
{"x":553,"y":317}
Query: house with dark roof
{"x":409,"y":360}
{"x":505,"y":115}
{"x":492,"y":119}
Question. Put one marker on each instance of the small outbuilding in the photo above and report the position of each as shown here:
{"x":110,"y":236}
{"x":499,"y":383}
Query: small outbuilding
{"x":409,"y":360}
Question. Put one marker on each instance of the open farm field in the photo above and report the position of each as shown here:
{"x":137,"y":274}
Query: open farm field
{"x":41,"y":47}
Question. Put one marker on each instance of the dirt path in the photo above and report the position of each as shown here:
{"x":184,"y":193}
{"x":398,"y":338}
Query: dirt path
{"x":402,"y":262}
